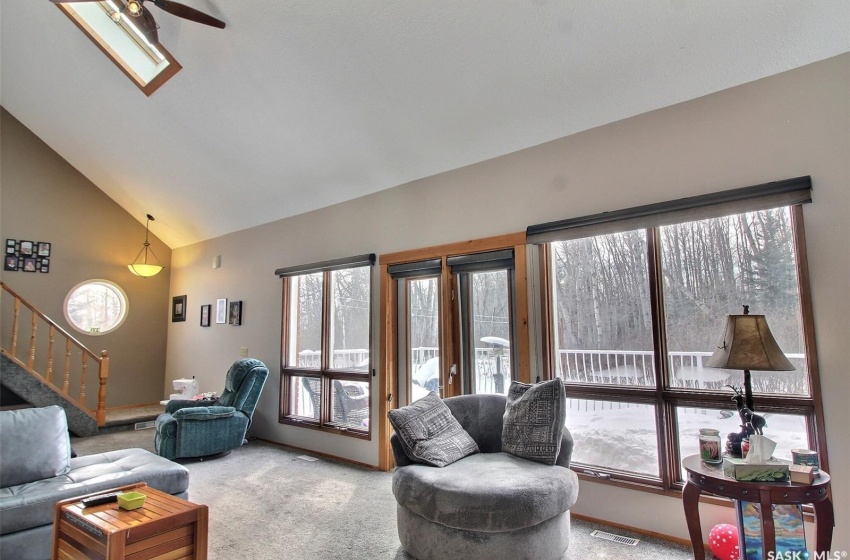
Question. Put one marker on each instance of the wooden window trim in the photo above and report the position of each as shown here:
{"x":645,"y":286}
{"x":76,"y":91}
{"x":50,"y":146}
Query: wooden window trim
{"x":817,"y":428}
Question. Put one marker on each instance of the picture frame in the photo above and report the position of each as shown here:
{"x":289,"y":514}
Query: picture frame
{"x":178,"y":309}
{"x":788,"y":523}
{"x":221,"y":311}
{"x":206,"y":311}
{"x":26,"y":248}
{"x":27,"y":256}
{"x":235,"y":315}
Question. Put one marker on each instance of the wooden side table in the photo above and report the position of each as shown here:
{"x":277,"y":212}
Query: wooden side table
{"x":165,"y":527}
{"x":710,"y":478}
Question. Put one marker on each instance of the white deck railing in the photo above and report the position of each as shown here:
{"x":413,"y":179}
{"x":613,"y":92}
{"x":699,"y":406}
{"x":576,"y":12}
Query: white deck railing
{"x":617,"y":367}
{"x":688,"y":370}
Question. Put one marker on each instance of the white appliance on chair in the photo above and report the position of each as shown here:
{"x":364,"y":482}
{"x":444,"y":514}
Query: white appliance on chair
{"x":187,"y":389}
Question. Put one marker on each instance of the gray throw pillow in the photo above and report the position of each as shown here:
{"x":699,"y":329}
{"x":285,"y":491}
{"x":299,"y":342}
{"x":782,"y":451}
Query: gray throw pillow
{"x":35,"y":445}
{"x":534,"y":420}
{"x":430,"y":434}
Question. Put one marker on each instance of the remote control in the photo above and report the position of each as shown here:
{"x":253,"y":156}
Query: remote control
{"x":100,"y":499}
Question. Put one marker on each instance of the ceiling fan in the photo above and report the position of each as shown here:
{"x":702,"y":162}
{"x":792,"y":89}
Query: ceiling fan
{"x":144,"y":19}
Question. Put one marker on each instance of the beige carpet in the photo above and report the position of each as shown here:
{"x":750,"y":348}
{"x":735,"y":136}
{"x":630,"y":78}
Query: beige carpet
{"x":267,"y":504}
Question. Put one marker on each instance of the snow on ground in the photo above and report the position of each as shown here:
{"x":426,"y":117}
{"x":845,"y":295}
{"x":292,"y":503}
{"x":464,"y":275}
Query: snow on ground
{"x":623,"y":436}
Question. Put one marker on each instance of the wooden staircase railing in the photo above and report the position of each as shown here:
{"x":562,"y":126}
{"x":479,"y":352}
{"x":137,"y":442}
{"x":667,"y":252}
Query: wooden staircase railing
{"x":87,"y":357}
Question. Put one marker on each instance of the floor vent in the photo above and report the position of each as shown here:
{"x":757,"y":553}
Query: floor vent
{"x":616,"y":538}
{"x":145,"y":425}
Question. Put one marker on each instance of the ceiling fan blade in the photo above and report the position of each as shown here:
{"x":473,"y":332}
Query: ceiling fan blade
{"x":186,"y":12}
{"x":147,"y":26}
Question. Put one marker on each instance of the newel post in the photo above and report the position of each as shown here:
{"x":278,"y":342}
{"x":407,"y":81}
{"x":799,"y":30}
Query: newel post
{"x":101,"y":392}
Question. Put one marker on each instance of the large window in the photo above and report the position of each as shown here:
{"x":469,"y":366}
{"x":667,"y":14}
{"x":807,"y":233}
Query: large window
{"x":326,"y":366}
{"x":635,"y":313}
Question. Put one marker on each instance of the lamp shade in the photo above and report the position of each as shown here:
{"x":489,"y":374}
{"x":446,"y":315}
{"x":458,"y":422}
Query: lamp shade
{"x":144,"y":270}
{"x":748,"y":344}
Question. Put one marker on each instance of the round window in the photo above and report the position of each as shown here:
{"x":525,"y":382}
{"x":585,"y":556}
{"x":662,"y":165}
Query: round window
{"x":96,"y":307}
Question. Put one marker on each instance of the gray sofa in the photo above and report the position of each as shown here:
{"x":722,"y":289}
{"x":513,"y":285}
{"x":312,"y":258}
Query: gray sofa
{"x":490,"y":505}
{"x":36,"y":471}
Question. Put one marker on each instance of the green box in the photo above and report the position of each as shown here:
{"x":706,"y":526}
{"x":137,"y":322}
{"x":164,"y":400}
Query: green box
{"x":774,"y":470}
{"x":131,"y":500}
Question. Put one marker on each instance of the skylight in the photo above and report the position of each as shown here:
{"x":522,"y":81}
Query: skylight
{"x":148,"y":65}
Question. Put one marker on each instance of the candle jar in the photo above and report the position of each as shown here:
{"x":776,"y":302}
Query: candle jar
{"x":709,"y":445}
{"x":805,"y":457}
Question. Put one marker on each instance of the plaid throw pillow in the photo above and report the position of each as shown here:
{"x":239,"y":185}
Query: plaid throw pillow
{"x":429,"y":433}
{"x":534,"y":420}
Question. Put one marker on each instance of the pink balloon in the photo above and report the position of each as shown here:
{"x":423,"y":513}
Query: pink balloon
{"x":723,"y":542}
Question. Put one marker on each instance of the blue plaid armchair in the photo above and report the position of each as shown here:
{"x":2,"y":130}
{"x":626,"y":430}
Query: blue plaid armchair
{"x":197,"y":429}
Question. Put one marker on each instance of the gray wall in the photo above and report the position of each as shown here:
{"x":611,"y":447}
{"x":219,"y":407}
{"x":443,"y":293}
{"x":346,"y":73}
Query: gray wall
{"x":43,"y":198}
{"x":783,"y":126}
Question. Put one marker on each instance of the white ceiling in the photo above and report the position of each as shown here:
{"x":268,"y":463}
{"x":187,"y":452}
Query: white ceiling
{"x":300,"y":104}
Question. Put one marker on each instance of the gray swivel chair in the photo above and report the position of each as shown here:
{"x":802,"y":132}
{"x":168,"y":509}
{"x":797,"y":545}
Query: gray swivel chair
{"x":487,"y":506}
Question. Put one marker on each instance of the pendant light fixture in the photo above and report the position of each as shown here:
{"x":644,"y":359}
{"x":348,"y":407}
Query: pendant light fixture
{"x":142,"y":267}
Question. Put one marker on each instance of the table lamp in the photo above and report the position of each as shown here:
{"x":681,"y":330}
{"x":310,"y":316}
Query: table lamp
{"x":748,"y":344}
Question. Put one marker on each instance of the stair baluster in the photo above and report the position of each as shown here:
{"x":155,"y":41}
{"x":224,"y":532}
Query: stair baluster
{"x":31,"y":361}
{"x":66,"y":379}
{"x":14,"y":346}
{"x":83,"y":379}
{"x":51,"y":335}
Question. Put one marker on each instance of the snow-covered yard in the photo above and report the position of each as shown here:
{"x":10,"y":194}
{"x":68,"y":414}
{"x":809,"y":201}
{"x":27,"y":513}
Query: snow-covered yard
{"x":623,"y":436}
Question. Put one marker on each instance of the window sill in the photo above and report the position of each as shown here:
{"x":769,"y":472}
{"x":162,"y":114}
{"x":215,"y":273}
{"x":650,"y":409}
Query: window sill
{"x":328,"y":428}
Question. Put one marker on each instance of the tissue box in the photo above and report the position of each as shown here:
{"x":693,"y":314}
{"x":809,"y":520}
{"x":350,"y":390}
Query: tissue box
{"x":774,"y":470}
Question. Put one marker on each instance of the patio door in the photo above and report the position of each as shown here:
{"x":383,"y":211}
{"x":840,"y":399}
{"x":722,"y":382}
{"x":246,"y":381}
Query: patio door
{"x":484,"y":312}
{"x":420,"y":334}
{"x":454,"y":320}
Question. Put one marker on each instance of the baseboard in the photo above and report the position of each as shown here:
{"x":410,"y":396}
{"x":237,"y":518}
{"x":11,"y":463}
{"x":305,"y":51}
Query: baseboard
{"x":319,"y":454}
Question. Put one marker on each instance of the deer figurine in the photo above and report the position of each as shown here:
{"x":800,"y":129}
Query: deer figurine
{"x":751,"y":423}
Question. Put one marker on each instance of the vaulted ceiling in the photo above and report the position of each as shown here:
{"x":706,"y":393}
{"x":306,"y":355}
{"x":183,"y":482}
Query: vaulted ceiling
{"x":300,"y":104}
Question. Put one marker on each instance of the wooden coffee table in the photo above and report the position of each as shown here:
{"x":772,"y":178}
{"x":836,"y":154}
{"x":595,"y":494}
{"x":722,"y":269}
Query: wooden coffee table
{"x":165,"y":527}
